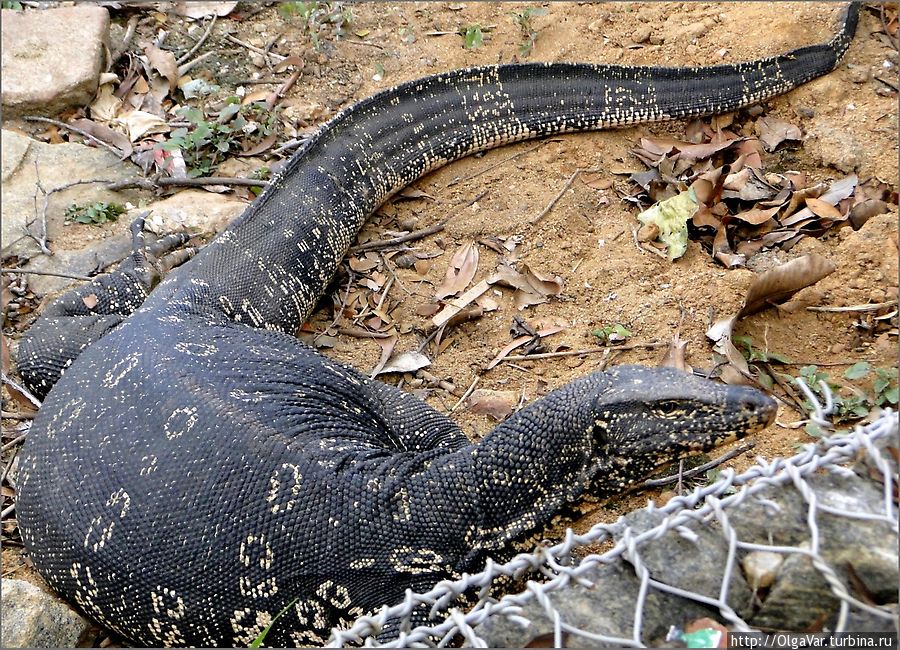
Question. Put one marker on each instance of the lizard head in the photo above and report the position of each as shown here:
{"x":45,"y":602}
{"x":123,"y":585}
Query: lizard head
{"x":650,"y":416}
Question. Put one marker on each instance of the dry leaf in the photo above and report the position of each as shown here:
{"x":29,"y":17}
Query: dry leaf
{"x":596,"y":181}
{"x":412,"y":193}
{"x":263,"y":145}
{"x":456,"y":305}
{"x":200,"y":9}
{"x":756,"y":216}
{"x":140,"y":123}
{"x":405,"y":362}
{"x":463,"y":266}
{"x":164,"y":63}
{"x":862,"y":212}
{"x":387,"y":348}
{"x":90,"y":301}
{"x":823,"y":209}
{"x":783,"y":281}
{"x":773,"y":132}
{"x":675,"y":356}
{"x":107,"y":135}
{"x":838,"y":191}
{"x":497,"y":404}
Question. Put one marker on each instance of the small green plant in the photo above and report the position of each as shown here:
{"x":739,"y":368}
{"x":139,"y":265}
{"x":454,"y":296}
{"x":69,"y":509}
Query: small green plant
{"x":753,"y":354}
{"x":851,"y":403}
{"x":96,"y":213}
{"x":318,"y":19}
{"x":612,"y":334}
{"x":206,"y":143}
{"x":529,"y":33}
{"x":473,"y":36}
{"x":11,"y":4}
{"x":258,"y":641}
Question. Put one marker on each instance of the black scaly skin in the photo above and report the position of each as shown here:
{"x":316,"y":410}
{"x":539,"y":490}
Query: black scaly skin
{"x":198,"y":468}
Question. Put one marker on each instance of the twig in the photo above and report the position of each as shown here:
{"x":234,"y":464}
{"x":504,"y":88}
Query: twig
{"x":500,"y":162}
{"x":151,"y":184}
{"x":39,"y":187}
{"x":380,"y":47}
{"x":410,"y":236}
{"x":197,"y":45}
{"x":186,"y":67}
{"x":465,"y":395}
{"x":290,"y":144}
{"x":872,"y":307}
{"x":574,"y":353}
{"x":277,"y":95}
{"x":126,"y":42}
{"x":889,"y":84}
{"x":253,"y":48}
{"x":795,"y":401}
{"x":73,"y":129}
{"x":360,"y":333}
{"x":565,"y":188}
{"x":9,"y":415}
{"x":24,"y":391}
{"x":9,"y":464}
{"x":668,"y":480}
{"x":13,"y":443}
{"x":70,"y":276}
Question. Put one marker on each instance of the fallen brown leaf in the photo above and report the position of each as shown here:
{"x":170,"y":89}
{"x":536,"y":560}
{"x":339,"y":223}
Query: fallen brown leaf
{"x":463,"y":266}
{"x":164,"y":63}
{"x":497,"y":404}
{"x":773,"y":132}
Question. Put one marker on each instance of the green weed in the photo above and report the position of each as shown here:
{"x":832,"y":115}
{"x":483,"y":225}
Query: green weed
{"x":529,"y":33}
{"x":96,"y":213}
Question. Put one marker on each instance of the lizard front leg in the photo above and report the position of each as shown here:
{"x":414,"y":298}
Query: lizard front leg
{"x":86,"y":313}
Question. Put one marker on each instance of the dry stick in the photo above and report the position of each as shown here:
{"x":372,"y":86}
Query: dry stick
{"x":565,"y":188}
{"x":380,"y":47}
{"x":13,"y":443}
{"x":9,"y":415}
{"x":360,"y":333}
{"x":667,"y":480}
{"x":24,"y":391}
{"x":795,"y":400}
{"x":9,"y":464}
{"x":39,"y":187}
{"x":276,"y":96}
{"x":411,"y":236}
{"x":8,"y":511}
{"x":253,"y":48}
{"x":197,"y":45}
{"x":126,"y":42}
{"x":186,"y":67}
{"x":500,"y":162}
{"x":465,"y":395}
{"x":151,"y":184}
{"x":885,"y":27}
{"x":70,"y":276}
{"x":872,"y":307}
{"x":574,"y":353}
{"x":73,"y":129}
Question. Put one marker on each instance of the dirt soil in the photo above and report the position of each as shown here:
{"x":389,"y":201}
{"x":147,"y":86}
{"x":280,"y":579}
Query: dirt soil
{"x":848,"y":120}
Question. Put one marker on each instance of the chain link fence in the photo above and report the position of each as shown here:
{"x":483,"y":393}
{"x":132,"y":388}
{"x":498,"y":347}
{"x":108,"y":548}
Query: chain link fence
{"x":826,"y":521}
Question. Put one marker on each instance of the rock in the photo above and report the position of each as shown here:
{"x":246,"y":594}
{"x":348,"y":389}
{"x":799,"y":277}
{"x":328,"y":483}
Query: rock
{"x":692,"y":561}
{"x":25,"y":160}
{"x":51,"y":59}
{"x":32,"y":618}
{"x":608,"y":608}
{"x":832,"y":145}
{"x":97,"y":255}
{"x":641,"y":34}
{"x":196,"y":211}
{"x":761,"y":568}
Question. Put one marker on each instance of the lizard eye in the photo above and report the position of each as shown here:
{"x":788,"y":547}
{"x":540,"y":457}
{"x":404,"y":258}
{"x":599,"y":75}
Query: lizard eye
{"x":668,"y":407}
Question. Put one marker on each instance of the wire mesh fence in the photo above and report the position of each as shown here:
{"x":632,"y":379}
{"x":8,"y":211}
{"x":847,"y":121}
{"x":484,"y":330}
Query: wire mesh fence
{"x":825,"y":521}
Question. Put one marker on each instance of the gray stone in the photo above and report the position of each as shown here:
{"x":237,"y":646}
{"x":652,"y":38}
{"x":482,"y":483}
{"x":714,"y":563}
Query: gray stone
{"x":51,"y":59}
{"x":99,"y":255}
{"x":25,"y":160}
{"x":196,"y":211}
{"x":832,"y":145}
{"x":32,"y":618}
{"x":670,"y":559}
{"x":607,"y":608}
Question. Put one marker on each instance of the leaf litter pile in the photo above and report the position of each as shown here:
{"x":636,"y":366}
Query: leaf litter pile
{"x":711,"y":187}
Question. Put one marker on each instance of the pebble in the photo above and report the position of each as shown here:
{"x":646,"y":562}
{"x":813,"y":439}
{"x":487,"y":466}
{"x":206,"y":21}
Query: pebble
{"x":257,"y":60}
{"x":878,"y":295}
{"x":859,"y":74}
{"x":761,"y":568}
{"x":641,"y":34}
{"x":838,"y":348}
